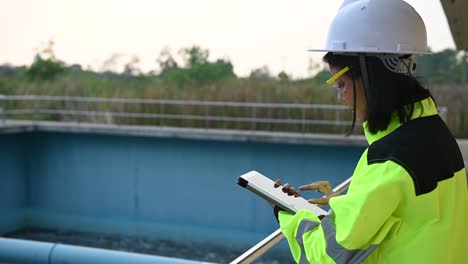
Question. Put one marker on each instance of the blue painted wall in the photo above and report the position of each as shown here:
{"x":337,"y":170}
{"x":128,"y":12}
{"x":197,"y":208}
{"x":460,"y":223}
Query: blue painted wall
{"x":163,"y":187}
{"x":13,"y":181}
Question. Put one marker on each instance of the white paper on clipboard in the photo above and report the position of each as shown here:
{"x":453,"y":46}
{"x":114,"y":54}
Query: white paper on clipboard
{"x":264,"y":187}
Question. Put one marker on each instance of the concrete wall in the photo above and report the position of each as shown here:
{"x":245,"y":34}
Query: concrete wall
{"x":158,"y":187}
{"x":172,"y":188}
{"x":13,"y":182}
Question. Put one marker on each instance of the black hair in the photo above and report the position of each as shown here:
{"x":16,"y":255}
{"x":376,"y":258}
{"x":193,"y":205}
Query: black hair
{"x":388,"y":92}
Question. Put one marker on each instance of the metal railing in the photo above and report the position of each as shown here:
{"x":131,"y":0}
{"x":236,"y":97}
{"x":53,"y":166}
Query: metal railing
{"x":304,"y":118}
{"x":182,"y":113}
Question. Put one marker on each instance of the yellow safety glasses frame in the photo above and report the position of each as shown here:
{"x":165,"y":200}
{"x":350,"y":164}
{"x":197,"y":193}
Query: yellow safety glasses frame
{"x":338,"y":75}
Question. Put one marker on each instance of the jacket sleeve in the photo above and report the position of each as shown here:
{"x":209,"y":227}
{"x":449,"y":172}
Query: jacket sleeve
{"x":358,"y":223}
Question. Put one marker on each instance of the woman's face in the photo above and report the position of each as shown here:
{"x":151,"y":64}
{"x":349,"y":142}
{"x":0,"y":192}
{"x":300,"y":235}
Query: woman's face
{"x":345,"y":94}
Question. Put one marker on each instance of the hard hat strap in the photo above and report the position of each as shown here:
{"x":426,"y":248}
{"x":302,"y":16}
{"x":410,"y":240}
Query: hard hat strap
{"x":351,"y":130}
{"x":364,"y":75}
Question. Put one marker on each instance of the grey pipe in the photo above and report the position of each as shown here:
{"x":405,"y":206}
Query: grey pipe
{"x":32,"y":252}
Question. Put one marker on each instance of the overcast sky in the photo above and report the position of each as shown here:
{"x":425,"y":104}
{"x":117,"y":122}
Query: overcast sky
{"x":251,"y":33}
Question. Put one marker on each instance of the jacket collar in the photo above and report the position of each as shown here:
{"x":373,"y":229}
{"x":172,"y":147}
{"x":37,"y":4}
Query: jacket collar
{"x":425,"y":107}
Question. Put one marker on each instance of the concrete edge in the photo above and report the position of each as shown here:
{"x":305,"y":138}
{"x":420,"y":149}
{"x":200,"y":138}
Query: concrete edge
{"x":17,"y":126}
{"x":11,"y":126}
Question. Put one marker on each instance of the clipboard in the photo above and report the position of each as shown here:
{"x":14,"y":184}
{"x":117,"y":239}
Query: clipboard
{"x":264,"y":187}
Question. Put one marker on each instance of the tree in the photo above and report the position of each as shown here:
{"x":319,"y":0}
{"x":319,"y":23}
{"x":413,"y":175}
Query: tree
{"x":197,"y":70}
{"x":283,"y":76}
{"x":322,"y":76}
{"x":442,"y":67}
{"x":8,"y":70}
{"x":194,"y":56}
{"x":262,"y":73}
{"x":166,"y":62}
{"x":46,"y":66}
{"x":110,"y":64}
{"x":131,"y":68}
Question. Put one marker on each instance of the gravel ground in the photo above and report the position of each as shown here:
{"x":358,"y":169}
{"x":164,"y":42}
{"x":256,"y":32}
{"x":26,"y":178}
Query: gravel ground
{"x":194,"y":251}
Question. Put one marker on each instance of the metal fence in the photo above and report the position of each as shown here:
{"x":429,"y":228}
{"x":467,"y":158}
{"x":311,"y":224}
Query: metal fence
{"x":308,"y":118}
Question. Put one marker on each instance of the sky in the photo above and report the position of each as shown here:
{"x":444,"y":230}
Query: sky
{"x":250,"y":33}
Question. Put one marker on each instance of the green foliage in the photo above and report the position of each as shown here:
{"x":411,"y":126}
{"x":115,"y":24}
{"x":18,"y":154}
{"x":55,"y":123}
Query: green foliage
{"x":45,"y":69}
{"x":262,"y":73}
{"x":176,"y":77}
{"x":322,"y":76}
{"x":442,"y":67}
{"x":8,"y":70}
{"x":198,"y":69}
{"x":131,"y":68}
{"x":195,"y":56}
{"x":283,"y":76}
{"x":46,"y":66}
{"x":208,"y":72}
{"x":166,"y":62}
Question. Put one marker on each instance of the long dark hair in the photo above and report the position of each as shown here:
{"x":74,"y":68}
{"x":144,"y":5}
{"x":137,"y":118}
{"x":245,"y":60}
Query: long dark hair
{"x":388,"y":92}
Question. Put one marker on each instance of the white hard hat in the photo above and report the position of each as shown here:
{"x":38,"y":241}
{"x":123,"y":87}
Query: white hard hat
{"x":377,"y":27}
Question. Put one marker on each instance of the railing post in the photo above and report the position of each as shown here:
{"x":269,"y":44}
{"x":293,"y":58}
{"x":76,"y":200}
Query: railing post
{"x":122,"y":119}
{"x":337,"y":118}
{"x":303,"y":120}
{"x":63,"y":105}
{"x":206,"y":116}
{"x":254,"y":118}
{"x":161,"y":112}
{"x":2,"y":108}
{"x":35,"y":108}
{"x":89,"y":117}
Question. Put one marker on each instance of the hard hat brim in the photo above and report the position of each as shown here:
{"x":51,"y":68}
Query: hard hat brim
{"x":356,"y":52}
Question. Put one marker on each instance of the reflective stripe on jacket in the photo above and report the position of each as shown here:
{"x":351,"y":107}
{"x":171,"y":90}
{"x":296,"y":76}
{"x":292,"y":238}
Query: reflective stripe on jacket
{"x":407,"y":201}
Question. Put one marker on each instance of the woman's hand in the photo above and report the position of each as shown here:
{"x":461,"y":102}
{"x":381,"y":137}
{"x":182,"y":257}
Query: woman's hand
{"x":323,"y":187}
{"x":287,"y":188}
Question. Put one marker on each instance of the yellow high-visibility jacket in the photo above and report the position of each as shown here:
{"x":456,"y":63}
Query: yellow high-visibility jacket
{"x":407,"y":201}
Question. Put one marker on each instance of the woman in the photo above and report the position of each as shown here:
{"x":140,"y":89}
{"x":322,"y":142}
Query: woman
{"x":407,"y":201}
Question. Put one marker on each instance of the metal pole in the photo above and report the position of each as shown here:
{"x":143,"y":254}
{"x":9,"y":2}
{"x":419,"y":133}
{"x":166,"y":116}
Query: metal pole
{"x":274,"y":238}
{"x":25,"y":252}
{"x":260,"y":249}
{"x":254,"y":115}
{"x":161,"y":112}
{"x":303,"y":120}
{"x":36,"y":109}
{"x":206,"y":117}
{"x":2,"y":108}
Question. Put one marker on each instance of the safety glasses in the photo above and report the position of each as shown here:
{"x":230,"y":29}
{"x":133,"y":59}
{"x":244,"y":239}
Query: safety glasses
{"x":335,"y":77}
